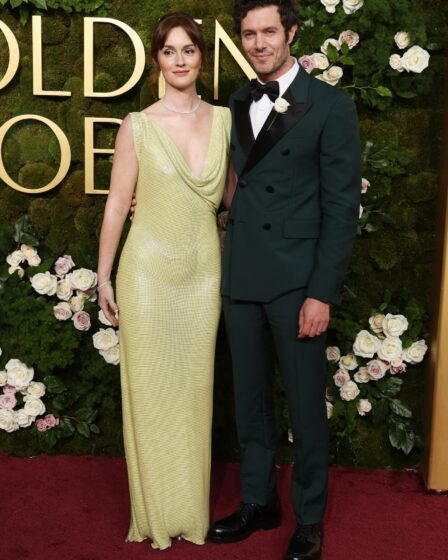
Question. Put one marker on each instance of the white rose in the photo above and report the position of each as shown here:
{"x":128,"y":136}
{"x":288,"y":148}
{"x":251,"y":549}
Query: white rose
{"x":15,"y":258}
{"x":281,"y":105}
{"x":83,"y":279}
{"x":7,"y":421}
{"x":3,"y":378}
{"x":34,"y":407}
{"x":377,"y":369}
{"x":376,"y":323}
{"x":341,"y":377}
{"x":76,"y":304}
{"x":352,"y":6}
{"x":62,"y":311}
{"x":362,"y":375}
{"x":416,"y":352}
{"x":390,"y":349}
{"x":333,"y":354}
{"x":91,"y":295}
{"x":402,"y":39}
{"x":102,"y":319}
{"x":330,"y":5}
{"x":350,"y":37}
{"x":64,"y":290}
{"x":394,"y":325}
{"x":45,"y":283}
{"x":35,"y":260}
{"x":332,"y":75}
{"x":336,"y":44}
{"x":290,"y":436}
{"x":28,"y":251}
{"x":17,"y":269}
{"x":23,"y":419}
{"x":19,"y":375}
{"x":36,"y":389}
{"x":396,"y":62}
{"x":330,"y":408}
{"x":321,"y":62}
{"x":349,"y":391}
{"x":112,"y":355}
{"x":81,"y":321}
{"x":105,"y":339}
{"x":363,"y":406}
{"x":366,"y":344}
{"x":415,"y":59}
{"x":348,"y":362}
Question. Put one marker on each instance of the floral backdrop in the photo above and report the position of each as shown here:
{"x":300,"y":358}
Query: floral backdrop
{"x":59,"y":373}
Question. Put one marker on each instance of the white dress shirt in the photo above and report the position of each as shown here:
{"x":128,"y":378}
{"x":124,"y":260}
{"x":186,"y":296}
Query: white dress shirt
{"x":259,"y":110}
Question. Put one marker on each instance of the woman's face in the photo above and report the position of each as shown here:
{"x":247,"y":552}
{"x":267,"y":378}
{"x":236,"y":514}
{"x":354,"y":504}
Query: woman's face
{"x":179,"y":59}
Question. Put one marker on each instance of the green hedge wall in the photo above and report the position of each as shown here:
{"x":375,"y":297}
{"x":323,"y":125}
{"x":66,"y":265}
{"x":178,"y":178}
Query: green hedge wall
{"x":392,"y":259}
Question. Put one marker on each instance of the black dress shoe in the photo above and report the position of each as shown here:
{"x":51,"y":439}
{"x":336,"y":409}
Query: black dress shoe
{"x":249,"y":518}
{"x":306,"y":543}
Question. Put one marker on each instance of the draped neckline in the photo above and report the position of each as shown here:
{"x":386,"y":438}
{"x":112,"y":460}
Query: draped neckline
{"x":179,"y":151}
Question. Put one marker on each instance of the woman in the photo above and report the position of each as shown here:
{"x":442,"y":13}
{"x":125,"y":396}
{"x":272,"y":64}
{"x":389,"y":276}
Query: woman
{"x":176,"y":153}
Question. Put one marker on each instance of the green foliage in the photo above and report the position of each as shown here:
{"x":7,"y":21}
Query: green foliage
{"x":400,"y":116}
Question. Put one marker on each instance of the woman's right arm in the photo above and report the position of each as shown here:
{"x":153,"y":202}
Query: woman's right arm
{"x":122,"y":183}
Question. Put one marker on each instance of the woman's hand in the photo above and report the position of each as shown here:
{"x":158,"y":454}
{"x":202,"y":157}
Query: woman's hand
{"x":107,"y":303}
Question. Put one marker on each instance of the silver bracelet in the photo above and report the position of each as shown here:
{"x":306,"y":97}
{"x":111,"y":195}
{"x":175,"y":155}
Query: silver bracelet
{"x":103,"y":284}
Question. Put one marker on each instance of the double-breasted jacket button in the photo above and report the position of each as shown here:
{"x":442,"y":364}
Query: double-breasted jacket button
{"x":242,"y":183}
{"x":286,"y":152}
{"x":267,"y":226}
{"x":270,"y":189}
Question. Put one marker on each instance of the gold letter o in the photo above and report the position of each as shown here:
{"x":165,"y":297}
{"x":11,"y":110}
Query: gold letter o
{"x":65,"y":154}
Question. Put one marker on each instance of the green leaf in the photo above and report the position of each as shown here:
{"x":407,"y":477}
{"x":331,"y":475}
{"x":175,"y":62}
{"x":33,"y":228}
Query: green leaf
{"x":83,"y":429}
{"x":399,"y":408}
{"x":28,"y":239}
{"x":434,"y":46}
{"x":407,"y":94}
{"x":397,"y":434}
{"x":345,"y":48}
{"x":383,"y":91}
{"x":66,"y":427}
{"x":16,"y":3}
{"x":390,"y":386}
{"x":94,"y":429}
{"x":409,"y":442}
{"x":54,"y":385}
{"x":332,"y":53}
{"x":40,"y":4}
{"x":86,"y":415}
{"x":369,"y":228}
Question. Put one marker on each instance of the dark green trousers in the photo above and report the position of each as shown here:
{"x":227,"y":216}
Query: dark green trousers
{"x":302,"y":366}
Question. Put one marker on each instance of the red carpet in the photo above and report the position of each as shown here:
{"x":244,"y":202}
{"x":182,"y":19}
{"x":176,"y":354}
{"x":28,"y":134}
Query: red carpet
{"x":76,"y":508}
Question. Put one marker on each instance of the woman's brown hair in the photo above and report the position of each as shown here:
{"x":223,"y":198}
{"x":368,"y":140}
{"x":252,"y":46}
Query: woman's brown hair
{"x":169,"y":22}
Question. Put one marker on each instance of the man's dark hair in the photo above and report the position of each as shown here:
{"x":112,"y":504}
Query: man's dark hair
{"x":286,"y":8}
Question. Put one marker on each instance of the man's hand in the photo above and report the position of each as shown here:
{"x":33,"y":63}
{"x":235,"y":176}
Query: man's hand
{"x":133,"y":205}
{"x":314,"y":317}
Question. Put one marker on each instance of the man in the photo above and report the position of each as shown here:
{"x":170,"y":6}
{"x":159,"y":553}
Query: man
{"x":290,"y":232}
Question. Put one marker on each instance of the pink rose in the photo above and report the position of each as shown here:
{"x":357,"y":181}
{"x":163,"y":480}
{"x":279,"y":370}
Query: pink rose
{"x":81,"y":320}
{"x":42,"y":425}
{"x":307,"y":62}
{"x":9,"y":390}
{"x":365,"y":184}
{"x":63,"y":265}
{"x":401,"y":368}
{"x":377,"y":369}
{"x":62,"y":311}
{"x":51,"y":421}
{"x":8,"y":401}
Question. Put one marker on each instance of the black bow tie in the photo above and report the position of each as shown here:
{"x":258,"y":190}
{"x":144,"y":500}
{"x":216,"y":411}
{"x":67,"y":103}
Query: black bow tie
{"x":257,"y":90}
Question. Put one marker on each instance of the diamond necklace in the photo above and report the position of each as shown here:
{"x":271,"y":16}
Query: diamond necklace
{"x":162,"y":101}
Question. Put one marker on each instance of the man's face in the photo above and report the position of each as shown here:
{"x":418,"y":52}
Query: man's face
{"x":264,"y":42}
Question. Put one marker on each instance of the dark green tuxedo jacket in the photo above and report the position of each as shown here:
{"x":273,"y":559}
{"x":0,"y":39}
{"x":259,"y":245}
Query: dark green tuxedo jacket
{"x":295,"y":210}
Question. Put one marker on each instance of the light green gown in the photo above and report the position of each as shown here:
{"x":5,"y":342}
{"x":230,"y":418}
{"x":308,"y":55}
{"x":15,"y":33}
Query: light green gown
{"x":168,"y":296}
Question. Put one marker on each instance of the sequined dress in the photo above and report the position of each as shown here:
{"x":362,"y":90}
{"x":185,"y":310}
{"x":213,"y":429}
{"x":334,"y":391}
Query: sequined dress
{"x":168,"y":296}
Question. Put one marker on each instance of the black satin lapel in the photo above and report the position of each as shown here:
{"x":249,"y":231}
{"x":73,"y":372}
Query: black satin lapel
{"x":243,"y":124}
{"x":283,"y":122}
